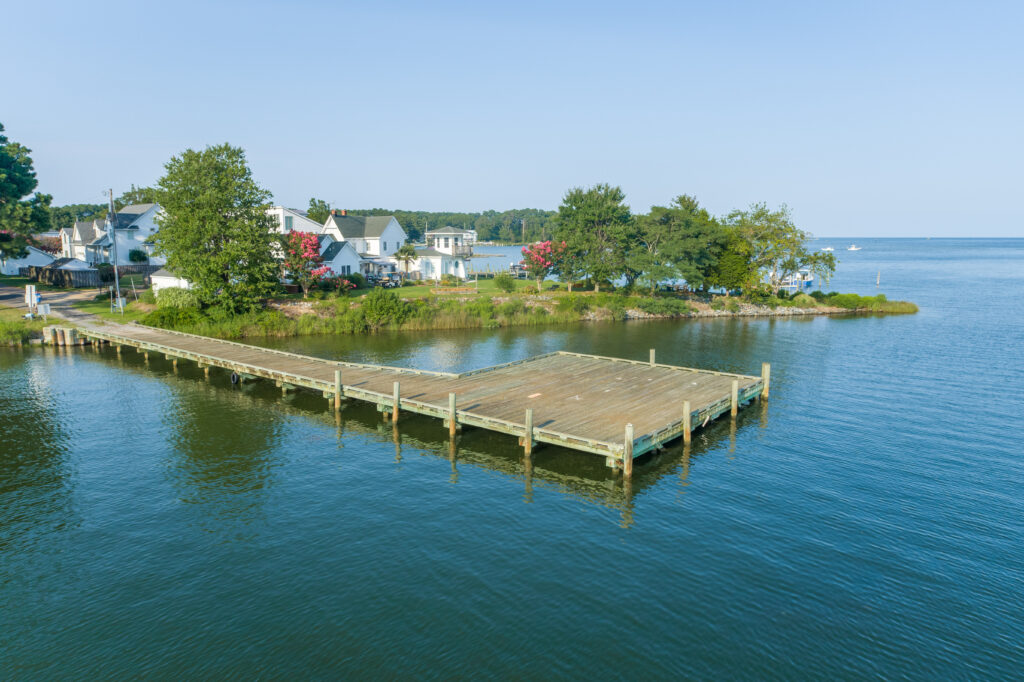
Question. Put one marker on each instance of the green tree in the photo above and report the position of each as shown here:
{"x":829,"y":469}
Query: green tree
{"x":733,"y":269}
{"x":680,"y":240}
{"x":777,"y":248}
{"x":215,"y":230}
{"x":318,"y":211}
{"x":595,"y":225}
{"x":136,"y":195}
{"x":21,"y":215}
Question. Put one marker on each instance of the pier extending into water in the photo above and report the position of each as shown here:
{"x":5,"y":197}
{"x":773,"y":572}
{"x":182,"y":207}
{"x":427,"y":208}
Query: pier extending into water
{"x":612,"y":407}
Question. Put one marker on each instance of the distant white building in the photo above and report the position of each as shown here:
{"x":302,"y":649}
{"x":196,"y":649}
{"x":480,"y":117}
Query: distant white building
{"x":34,"y":256}
{"x":292,"y":219}
{"x":375,"y":238}
{"x":431,"y":263}
{"x":133,"y":225}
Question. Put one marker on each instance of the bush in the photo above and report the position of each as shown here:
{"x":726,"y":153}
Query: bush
{"x":138,"y":256}
{"x":512,"y":308}
{"x":572,"y":304}
{"x":382,"y":307}
{"x":106,"y":271}
{"x":804,"y":301}
{"x":663,"y":306}
{"x":356,"y":279}
{"x":505,"y":282}
{"x":176,"y":297}
{"x":732,"y":306}
{"x":818,"y":296}
{"x":717,"y":304}
{"x":172,"y":318}
{"x":147,"y":296}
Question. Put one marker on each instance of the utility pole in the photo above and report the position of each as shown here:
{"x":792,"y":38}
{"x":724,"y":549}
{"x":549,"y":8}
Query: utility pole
{"x":112,"y":231}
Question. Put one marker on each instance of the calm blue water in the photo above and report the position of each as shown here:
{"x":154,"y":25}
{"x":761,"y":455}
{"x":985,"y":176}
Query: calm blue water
{"x":867,"y":520}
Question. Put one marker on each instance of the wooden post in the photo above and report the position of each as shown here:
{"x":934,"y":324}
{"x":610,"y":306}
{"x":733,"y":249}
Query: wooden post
{"x":396,"y":402}
{"x":735,"y":398}
{"x":528,"y":434}
{"x":174,"y":363}
{"x":206,"y":371}
{"x":766,"y":375}
{"x":687,"y":422}
{"x":451,"y":414}
{"x":652,"y":357}
{"x":118,"y":347}
{"x":337,"y":389}
{"x":627,"y":452}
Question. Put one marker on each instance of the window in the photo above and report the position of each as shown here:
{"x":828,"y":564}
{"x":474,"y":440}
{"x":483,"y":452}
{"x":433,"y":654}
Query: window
{"x":446,"y":242}
{"x":346,"y":269}
{"x":385,"y":247}
{"x":288,"y":223}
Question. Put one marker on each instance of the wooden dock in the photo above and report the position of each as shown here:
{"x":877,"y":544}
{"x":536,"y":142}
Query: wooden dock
{"x":616,"y":408}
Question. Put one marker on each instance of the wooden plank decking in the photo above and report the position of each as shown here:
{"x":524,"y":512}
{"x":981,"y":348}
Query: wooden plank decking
{"x":578,"y":401}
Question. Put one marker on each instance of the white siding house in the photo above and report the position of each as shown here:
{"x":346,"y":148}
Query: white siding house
{"x":433,"y":264}
{"x":292,"y":219}
{"x":371,"y":236}
{"x":33,"y":257}
{"x":341,"y":257}
{"x":90,"y":241}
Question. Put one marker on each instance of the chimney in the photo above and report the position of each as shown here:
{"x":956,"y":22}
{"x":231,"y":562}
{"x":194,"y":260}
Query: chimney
{"x":344,"y":211}
{"x":334,"y":212}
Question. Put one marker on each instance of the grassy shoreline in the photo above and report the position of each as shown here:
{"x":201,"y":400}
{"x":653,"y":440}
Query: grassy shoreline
{"x":381,"y":310}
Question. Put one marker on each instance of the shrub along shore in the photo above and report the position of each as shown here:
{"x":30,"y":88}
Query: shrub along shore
{"x":383,"y":309}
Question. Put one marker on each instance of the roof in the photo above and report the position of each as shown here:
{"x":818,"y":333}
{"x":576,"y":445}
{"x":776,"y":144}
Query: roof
{"x":164,"y":272}
{"x":448,"y":229}
{"x":127,"y":216}
{"x":333,"y":250}
{"x":87,"y":230}
{"x":429,"y":253}
{"x":69,"y":264}
{"x":360,"y":226}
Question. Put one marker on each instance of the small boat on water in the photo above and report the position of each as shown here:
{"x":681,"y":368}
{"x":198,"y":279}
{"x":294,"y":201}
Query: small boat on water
{"x":803,"y":278}
{"x":827,"y":248}
{"x":853,"y":247}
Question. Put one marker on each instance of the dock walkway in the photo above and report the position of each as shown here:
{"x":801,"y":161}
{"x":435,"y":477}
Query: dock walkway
{"x":607,"y":406}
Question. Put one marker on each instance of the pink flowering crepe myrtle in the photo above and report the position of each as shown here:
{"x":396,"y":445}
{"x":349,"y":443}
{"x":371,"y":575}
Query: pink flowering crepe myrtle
{"x":303,"y":262}
{"x":540,"y":258}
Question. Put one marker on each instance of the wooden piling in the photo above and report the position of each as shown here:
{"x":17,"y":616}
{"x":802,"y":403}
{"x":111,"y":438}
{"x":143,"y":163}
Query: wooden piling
{"x":766,"y":374}
{"x":451,"y":414}
{"x":396,"y":401}
{"x":337,"y":389}
{"x":652,"y":357}
{"x":735,"y":398}
{"x":687,"y":422}
{"x":528,"y":433}
{"x":627,"y":452}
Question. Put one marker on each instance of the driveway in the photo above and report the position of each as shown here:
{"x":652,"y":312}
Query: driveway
{"x":60,"y":302}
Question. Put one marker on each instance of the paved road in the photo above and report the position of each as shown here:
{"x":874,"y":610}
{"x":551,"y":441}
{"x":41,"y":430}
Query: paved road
{"x":60,"y":302}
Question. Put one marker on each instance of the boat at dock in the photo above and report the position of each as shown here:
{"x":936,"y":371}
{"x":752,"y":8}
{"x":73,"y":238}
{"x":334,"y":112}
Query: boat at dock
{"x":803,"y":278}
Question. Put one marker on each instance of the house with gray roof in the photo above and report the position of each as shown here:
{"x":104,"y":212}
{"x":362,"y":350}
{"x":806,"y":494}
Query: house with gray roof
{"x":340,"y":257}
{"x":373,"y":237}
{"x":132,"y":228}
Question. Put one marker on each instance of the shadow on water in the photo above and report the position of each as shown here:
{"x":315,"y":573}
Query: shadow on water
{"x":231,"y":477}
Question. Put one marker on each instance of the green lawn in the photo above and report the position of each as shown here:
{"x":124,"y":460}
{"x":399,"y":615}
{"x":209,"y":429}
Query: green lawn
{"x":102,"y":309}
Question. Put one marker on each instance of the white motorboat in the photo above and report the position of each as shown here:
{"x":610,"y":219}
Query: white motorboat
{"x":828,"y":248}
{"x":853,"y":247}
{"x":804,"y":278}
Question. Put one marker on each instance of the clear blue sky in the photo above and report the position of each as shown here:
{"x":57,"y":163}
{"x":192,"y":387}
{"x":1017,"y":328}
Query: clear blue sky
{"x":868,"y":119}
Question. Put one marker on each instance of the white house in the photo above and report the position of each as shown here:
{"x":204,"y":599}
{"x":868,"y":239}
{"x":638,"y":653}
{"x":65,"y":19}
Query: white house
{"x":341,"y":257}
{"x":291,"y":219}
{"x":34,"y":256}
{"x":431,"y":263}
{"x":451,"y":240}
{"x":164,"y":279}
{"x":371,"y":236}
{"x":133,"y":226}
